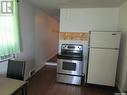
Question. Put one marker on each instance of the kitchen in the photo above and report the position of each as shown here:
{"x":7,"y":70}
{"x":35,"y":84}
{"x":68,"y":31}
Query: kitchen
{"x":75,"y":25}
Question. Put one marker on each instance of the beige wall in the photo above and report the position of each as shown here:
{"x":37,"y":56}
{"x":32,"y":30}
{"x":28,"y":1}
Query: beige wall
{"x":122,"y":66}
{"x":46,"y":37}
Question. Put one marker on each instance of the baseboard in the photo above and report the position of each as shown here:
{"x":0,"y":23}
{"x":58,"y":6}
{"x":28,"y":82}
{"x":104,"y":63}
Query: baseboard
{"x":40,"y":67}
{"x":51,"y":63}
{"x":36,"y":71}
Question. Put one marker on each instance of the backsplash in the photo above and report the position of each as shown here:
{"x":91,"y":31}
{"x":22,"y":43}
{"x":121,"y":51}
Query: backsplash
{"x":80,"y":36}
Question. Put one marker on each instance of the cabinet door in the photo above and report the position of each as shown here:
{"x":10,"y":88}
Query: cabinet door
{"x":102,"y":66}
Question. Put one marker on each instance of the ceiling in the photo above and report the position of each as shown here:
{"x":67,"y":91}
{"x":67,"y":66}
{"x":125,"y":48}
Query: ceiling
{"x":56,"y":4}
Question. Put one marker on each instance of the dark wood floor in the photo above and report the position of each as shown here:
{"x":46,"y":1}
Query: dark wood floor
{"x":44,"y":83}
{"x":53,"y":59}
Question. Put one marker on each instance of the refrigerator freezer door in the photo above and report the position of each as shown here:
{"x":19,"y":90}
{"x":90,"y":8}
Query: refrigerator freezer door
{"x":102,"y":66}
{"x":105,"y":39}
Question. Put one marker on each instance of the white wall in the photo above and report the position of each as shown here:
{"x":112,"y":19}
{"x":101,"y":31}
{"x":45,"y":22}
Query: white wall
{"x":85,"y":19}
{"x":122,"y":66}
{"x":46,"y":37}
{"x":26,"y":17}
{"x":26,"y":21}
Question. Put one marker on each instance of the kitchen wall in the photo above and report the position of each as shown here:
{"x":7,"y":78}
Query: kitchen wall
{"x":86,"y":19}
{"x":27,"y":31}
{"x":46,"y":36}
{"x":122,"y":66}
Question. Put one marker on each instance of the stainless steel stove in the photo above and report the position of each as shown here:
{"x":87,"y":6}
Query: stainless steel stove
{"x":70,"y":64}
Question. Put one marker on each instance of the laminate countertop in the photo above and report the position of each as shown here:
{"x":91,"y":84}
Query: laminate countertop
{"x":9,"y":86}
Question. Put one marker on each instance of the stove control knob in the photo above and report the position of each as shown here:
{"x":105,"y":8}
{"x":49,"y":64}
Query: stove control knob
{"x":64,"y":46}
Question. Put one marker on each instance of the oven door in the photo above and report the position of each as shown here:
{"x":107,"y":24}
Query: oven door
{"x":73,"y":67}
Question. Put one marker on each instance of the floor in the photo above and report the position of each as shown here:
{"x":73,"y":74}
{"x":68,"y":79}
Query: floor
{"x":53,"y":59}
{"x":44,"y":83}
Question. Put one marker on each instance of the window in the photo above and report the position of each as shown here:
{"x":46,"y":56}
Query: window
{"x":9,"y":31}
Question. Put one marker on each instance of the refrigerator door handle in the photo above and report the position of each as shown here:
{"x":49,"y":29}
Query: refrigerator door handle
{"x":104,"y":48}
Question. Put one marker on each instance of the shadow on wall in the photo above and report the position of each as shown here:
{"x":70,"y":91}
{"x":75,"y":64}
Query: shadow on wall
{"x":53,"y":36}
{"x":46,"y":35}
{"x":121,"y":74}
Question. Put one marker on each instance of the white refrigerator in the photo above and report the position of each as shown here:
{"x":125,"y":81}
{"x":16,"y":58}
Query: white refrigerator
{"x":103,"y":57}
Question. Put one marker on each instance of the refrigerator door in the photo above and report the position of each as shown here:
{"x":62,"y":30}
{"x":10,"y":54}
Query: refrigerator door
{"x":102,"y":66}
{"x":105,"y":39}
